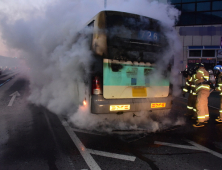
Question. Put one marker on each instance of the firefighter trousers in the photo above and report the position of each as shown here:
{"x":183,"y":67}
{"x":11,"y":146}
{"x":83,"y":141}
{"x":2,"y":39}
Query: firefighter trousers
{"x":191,"y":104}
{"x":202,"y":105}
{"x":194,"y":101}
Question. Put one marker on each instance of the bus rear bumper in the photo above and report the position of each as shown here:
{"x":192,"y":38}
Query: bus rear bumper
{"x":100,"y":105}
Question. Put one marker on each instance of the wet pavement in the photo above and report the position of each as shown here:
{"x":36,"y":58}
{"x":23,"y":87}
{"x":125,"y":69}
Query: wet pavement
{"x":31,"y":137}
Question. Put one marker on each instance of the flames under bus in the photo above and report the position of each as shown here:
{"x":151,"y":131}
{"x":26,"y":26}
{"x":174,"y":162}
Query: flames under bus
{"x":126,"y":47}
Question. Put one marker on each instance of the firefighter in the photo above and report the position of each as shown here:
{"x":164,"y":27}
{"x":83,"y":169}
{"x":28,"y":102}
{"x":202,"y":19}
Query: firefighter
{"x":192,"y":72}
{"x":218,"y":87}
{"x":187,"y":85}
{"x":202,"y":90}
{"x":187,"y":89}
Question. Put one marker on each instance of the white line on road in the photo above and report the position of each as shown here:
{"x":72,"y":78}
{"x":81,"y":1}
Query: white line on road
{"x":83,"y":151}
{"x":194,"y":147}
{"x":14,"y":95}
{"x":12,"y":100}
{"x":86,"y":152}
{"x":205,"y":149}
{"x":176,"y":145}
{"x":112,"y":155}
{"x":64,"y":123}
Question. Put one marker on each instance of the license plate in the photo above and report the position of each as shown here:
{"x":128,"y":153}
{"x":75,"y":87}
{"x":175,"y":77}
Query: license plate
{"x":119,"y":107}
{"x":139,"y":92}
{"x":158,"y":105}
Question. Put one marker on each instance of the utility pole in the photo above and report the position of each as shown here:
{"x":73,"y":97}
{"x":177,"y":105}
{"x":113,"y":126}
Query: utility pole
{"x":105,"y":2}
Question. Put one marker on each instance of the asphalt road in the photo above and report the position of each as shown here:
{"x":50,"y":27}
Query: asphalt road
{"x":33,"y":138}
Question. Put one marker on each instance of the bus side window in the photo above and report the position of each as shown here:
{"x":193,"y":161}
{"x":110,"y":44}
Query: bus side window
{"x":91,"y":24}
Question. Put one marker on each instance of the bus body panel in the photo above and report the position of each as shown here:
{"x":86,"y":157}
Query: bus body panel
{"x":116,"y":92}
{"x":132,"y":80}
{"x":100,"y":105}
{"x":99,"y":42}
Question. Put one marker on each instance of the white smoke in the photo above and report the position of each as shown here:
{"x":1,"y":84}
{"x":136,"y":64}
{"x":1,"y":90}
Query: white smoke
{"x":46,"y":36}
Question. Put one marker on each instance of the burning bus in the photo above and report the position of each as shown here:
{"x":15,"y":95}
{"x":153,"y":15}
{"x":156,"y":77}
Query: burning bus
{"x":126,"y":49}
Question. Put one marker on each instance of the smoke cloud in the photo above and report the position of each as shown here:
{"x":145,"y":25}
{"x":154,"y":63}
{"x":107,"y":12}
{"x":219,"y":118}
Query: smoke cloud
{"x":45,"y":35}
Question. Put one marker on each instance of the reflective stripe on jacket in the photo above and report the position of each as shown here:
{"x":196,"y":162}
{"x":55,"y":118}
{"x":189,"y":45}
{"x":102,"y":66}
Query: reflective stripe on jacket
{"x":186,"y":88}
{"x":192,"y":85}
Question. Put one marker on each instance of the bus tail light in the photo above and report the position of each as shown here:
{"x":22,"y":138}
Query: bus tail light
{"x":96,"y":85}
{"x":84,"y":102}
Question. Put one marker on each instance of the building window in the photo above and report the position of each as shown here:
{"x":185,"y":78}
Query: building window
{"x":175,"y":1}
{"x":201,"y":0}
{"x":203,"y":18}
{"x":188,"y":1}
{"x":202,"y":12}
{"x":188,"y":7}
{"x":217,"y":5}
{"x":203,"y":6}
{"x":178,"y":6}
{"x":194,"y":53}
{"x":208,"y":53}
{"x":217,"y":17}
{"x":187,"y":19}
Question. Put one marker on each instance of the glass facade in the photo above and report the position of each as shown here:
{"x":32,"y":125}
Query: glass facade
{"x":208,"y":53}
{"x":217,"y":5}
{"x":188,"y":7}
{"x":203,"y":6}
{"x":199,"y":12}
{"x":195,"y":53}
{"x":208,"y":57}
{"x":202,"y":53}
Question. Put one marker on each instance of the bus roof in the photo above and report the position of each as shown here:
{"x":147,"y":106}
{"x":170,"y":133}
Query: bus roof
{"x":120,"y":12}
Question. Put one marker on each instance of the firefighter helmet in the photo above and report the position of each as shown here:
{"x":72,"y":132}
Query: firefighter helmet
{"x":197,"y":66}
{"x":217,"y":69}
{"x":210,"y":72}
{"x":184,"y":73}
{"x":191,"y":71}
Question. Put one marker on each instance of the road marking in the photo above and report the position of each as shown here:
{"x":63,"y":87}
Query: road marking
{"x":176,"y":145}
{"x":205,"y":149}
{"x":64,"y":123}
{"x":86,"y":152}
{"x":112,"y":155}
{"x":194,"y":147}
{"x":14,"y":95}
{"x":83,"y":151}
{"x":55,"y":141}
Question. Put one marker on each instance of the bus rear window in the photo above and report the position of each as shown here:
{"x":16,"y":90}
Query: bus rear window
{"x":130,"y":55}
{"x":134,"y":22}
{"x":133,"y":27}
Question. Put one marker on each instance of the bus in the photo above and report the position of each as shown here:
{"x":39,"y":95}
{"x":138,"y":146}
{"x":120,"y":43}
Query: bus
{"x":124,"y":74}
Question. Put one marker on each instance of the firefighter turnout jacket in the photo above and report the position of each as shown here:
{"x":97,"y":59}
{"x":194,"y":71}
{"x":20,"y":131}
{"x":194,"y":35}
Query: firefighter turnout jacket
{"x":190,"y":88}
{"x":219,"y":88}
{"x":201,"y":78}
{"x":186,"y":88}
{"x":194,"y":95}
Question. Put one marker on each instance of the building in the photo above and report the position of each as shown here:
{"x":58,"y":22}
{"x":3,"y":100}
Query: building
{"x":200,"y":31}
